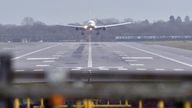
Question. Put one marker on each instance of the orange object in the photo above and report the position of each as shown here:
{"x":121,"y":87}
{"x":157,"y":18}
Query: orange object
{"x":57,"y":100}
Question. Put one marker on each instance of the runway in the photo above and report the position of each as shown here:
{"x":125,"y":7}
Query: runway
{"x":99,"y":55}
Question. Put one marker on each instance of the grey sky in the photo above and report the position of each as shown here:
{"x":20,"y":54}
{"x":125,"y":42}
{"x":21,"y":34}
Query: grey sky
{"x":67,"y":11}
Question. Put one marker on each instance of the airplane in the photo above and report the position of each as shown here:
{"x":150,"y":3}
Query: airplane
{"x":91,"y":25}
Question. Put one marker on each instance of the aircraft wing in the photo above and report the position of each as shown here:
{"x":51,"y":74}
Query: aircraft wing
{"x":113,"y":25}
{"x":75,"y":26}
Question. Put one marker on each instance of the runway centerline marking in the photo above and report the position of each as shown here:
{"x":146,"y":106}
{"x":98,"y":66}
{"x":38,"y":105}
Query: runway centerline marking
{"x":164,"y":57}
{"x":36,"y":51}
{"x":90,"y":62}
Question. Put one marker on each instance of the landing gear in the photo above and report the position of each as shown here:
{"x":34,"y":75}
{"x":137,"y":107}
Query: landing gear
{"x":97,"y":33}
{"x":82,"y":33}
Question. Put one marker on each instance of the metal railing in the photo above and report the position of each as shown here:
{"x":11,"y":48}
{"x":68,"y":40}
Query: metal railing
{"x":93,"y":84}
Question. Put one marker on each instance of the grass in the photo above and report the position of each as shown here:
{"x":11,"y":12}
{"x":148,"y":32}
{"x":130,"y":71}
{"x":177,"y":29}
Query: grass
{"x":6,"y":45}
{"x":16,"y":44}
{"x":177,"y":44}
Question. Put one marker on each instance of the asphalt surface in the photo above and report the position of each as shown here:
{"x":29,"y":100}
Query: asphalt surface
{"x":99,"y":55}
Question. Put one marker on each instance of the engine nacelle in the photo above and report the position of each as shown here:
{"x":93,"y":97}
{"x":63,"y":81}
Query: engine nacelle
{"x":104,"y":28}
{"x":77,"y":28}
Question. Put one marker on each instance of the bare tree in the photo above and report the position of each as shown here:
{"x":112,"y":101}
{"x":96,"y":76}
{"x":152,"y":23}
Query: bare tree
{"x":187,"y":19}
{"x":28,"y":21}
{"x":172,"y":19}
{"x":178,"y":20}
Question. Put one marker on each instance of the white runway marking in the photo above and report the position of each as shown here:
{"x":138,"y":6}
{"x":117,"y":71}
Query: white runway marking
{"x":90,"y":62}
{"x":42,"y":65}
{"x":40,"y":59}
{"x":60,"y":53}
{"x":49,"y":61}
{"x":122,"y":68}
{"x":77,"y":68}
{"x":57,"y":55}
{"x":178,"y":69}
{"x":122,"y":55}
{"x":130,"y":60}
{"x":138,"y":58}
{"x":103,"y":68}
{"x":27,"y":54}
{"x":164,"y":57}
{"x":159,"y":69}
{"x":137,"y":64}
{"x":19,"y":70}
{"x":141,"y":69}
{"x":38,"y":70}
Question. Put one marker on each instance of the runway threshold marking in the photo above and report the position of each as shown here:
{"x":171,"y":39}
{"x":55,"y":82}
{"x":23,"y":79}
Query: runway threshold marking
{"x":137,"y":64}
{"x":60,"y":53}
{"x":77,"y":68}
{"x":49,"y":61}
{"x":130,"y":60}
{"x":57,"y":55}
{"x":36,"y":51}
{"x":164,"y":57}
{"x":138,"y":58}
{"x":40,"y":59}
{"x":141,"y":69}
{"x":159,"y":69}
{"x":42,"y":65}
{"x":38,"y":70}
{"x":103,"y":68}
{"x":19,"y":70}
{"x":178,"y":69}
{"x":122,"y":68}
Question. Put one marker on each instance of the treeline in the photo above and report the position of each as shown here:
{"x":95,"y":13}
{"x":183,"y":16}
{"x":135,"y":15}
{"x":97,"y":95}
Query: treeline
{"x":31,"y":30}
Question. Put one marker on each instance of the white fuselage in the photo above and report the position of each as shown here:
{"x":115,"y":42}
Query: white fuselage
{"x":91,"y":25}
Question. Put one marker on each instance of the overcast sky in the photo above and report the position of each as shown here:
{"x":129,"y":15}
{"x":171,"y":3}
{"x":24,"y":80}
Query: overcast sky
{"x":69,"y":11}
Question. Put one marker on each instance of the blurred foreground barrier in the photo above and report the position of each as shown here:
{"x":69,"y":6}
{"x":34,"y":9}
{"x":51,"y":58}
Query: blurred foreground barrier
{"x":91,"y":83}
